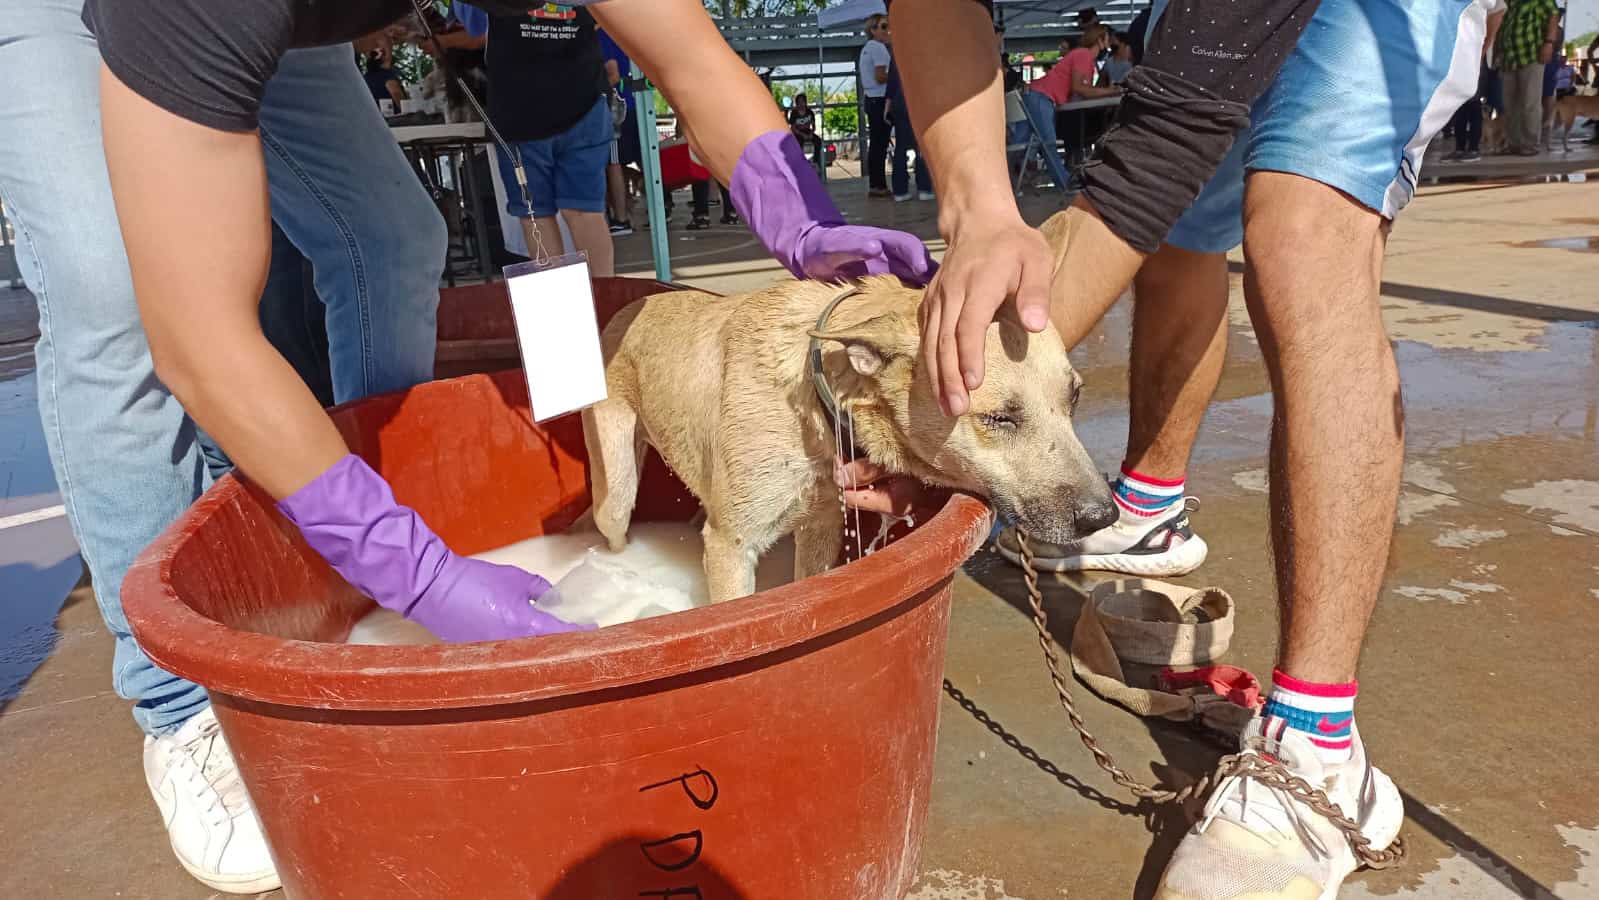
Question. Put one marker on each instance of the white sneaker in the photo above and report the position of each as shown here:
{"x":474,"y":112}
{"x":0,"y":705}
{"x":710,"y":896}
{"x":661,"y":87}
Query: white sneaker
{"x":927,"y":195}
{"x":903,"y":198}
{"x":1161,"y":546}
{"x":1257,"y":842}
{"x":208,"y":814}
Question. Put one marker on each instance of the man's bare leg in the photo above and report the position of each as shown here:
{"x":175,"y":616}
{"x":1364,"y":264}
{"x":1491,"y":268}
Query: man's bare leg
{"x":1337,"y":445}
{"x":542,"y":232}
{"x":1179,"y":345}
{"x":593,"y":236}
{"x":616,"y":194}
{"x":1312,"y":282}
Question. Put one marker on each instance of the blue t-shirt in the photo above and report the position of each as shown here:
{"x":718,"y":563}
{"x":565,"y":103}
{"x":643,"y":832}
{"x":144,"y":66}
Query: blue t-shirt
{"x":612,"y":50}
{"x":475,"y":20}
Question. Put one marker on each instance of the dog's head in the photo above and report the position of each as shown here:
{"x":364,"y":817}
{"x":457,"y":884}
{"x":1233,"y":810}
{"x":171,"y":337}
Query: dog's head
{"x":1015,"y":443}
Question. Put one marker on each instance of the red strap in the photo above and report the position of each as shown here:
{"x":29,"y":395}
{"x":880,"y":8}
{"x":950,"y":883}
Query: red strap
{"x":1237,"y":685}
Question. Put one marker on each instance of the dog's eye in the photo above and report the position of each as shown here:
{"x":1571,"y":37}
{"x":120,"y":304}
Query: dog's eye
{"x":1002,"y":421}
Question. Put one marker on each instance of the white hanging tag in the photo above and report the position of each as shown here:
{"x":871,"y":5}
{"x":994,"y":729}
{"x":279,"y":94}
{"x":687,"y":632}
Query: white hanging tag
{"x":552,"y":301}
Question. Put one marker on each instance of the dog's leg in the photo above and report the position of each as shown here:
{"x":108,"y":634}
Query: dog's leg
{"x":729,"y":562}
{"x":616,"y":454}
{"x":818,"y":538}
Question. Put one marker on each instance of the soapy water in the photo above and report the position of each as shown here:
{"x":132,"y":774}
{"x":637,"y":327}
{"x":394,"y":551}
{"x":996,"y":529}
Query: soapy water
{"x":660,"y":571}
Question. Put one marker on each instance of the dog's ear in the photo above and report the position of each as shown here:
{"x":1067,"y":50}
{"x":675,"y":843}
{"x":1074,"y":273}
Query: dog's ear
{"x":874,"y":342}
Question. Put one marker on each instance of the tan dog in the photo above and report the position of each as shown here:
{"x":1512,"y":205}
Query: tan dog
{"x":1567,"y":109}
{"x":722,"y":388}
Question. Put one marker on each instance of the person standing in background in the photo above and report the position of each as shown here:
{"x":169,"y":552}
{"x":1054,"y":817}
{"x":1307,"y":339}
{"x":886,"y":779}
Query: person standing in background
{"x":1526,"y":43}
{"x":1467,"y":121}
{"x":625,"y":147}
{"x":899,"y":118}
{"x":1556,"y":84}
{"x":562,"y":136}
{"x":873,"y":65}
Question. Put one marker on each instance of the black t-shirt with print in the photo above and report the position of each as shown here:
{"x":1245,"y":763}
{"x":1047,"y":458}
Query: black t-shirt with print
{"x":546,"y":70}
{"x":802,"y":121}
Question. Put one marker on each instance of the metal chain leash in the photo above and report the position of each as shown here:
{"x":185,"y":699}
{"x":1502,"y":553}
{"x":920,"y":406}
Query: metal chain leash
{"x":1245,"y":765}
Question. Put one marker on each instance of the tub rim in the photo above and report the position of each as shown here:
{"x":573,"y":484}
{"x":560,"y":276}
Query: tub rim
{"x":298,"y":673}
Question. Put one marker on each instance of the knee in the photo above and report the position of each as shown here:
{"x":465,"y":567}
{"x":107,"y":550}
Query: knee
{"x":408,"y":245}
{"x":1315,"y":259}
{"x":1190,"y":284}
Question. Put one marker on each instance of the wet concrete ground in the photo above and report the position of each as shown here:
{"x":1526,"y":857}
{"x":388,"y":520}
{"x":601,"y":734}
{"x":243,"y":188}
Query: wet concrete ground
{"x":1478,"y":666}
{"x":1475,"y":679}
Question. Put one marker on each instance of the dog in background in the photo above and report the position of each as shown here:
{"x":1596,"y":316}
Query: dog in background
{"x":1566,"y":111}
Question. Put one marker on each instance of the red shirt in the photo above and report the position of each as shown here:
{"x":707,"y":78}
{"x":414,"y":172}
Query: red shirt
{"x":1057,"y":82}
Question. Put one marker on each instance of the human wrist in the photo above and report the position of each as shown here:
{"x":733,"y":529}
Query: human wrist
{"x":349,"y":516}
{"x":964,"y":209}
{"x":780,"y":196}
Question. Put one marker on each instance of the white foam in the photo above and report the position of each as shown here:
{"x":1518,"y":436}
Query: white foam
{"x":660,"y":571}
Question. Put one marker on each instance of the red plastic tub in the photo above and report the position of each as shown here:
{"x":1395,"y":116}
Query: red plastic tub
{"x":777,"y":747}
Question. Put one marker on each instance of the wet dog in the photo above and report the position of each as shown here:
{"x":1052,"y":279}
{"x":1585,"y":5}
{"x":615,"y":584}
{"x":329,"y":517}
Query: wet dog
{"x":725,"y":389}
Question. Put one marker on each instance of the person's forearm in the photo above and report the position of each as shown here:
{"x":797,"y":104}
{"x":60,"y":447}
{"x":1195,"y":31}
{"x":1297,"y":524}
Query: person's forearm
{"x":192,"y":203}
{"x":461,"y":39}
{"x":726,"y":119}
{"x":955,"y":93}
{"x":1094,"y":92}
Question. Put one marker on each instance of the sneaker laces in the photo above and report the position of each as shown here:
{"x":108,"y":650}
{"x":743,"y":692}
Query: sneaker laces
{"x":209,"y":752}
{"x":1261,"y":808}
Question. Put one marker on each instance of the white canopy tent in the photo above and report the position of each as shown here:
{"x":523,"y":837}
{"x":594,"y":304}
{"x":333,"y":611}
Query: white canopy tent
{"x":850,"y":12}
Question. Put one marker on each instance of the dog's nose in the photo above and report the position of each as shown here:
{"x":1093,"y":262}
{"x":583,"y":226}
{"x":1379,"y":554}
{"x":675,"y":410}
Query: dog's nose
{"x":1093,"y":513}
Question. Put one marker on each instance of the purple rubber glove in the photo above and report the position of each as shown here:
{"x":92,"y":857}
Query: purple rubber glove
{"x":776,"y":190}
{"x":348,"y":515}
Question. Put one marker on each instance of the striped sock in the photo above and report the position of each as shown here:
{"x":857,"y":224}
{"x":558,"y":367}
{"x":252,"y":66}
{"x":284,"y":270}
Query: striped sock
{"x":1142,"y":496}
{"x":1323,"y":713}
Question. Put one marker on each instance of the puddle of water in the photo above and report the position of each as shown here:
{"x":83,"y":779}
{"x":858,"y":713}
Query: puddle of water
{"x":1576,"y":244}
{"x":948,"y":884}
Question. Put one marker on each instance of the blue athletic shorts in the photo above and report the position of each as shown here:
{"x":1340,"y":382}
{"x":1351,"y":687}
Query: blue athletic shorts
{"x":1354,"y":107}
{"x":563,"y":172}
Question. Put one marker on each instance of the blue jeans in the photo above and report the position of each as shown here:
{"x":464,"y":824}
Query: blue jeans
{"x":1041,"y":112}
{"x":566,"y":171}
{"x":900,"y":176}
{"x":126,"y":457}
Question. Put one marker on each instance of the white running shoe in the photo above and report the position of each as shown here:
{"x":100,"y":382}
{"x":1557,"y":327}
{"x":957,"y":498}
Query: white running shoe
{"x":208,"y":814}
{"x":926,"y":195}
{"x":1161,"y":546}
{"x":1257,"y":842}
